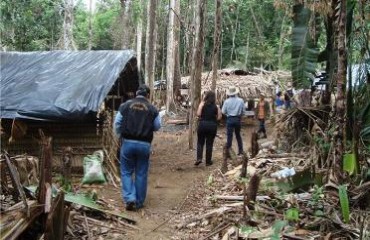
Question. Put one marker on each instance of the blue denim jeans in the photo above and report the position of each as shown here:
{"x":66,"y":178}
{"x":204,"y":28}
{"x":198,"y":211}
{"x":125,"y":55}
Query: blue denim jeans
{"x":234,"y":124}
{"x":134,"y":163}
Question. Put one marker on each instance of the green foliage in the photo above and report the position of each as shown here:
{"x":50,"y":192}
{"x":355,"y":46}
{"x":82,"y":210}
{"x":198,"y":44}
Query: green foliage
{"x":102,"y":27}
{"x":304,"y":49}
{"x":317,"y":195}
{"x":248,"y":229}
{"x":350,"y":163}
{"x":344,"y":202}
{"x":30,"y":25}
{"x":278,"y":228}
{"x":292,"y":214}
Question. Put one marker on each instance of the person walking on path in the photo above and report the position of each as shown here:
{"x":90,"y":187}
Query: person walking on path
{"x":233,"y":108}
{"x":262,"y":112}
{"x":208,"y":113}
{"x":135,"y":122}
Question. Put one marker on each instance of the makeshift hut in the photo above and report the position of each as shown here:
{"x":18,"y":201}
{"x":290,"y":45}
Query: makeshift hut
{"x":250,"y":84}
{"x":69,"y":95}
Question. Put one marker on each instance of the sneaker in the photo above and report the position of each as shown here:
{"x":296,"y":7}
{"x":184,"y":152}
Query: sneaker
{"x":209,"y":163}
{"x":197,"y":162}
{"x":130,"y":206}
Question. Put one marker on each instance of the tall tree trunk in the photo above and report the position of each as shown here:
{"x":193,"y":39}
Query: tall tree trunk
{"x":216,"y":43}
{"x":66,"y":41}
{"x":89,"y":45}
{"x":340,"y":106}
{"x":197,"y":67}
{"x":149,"y":45}
{"x":177,"y":73}
{"x":126,"y":33}
{"x":170,"y":60}
{"x":139,"y":37}
{"x":154,"y":57}
{"x":185,"y":65}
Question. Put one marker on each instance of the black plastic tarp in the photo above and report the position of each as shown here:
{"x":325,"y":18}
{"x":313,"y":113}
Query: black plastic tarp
{"x":57,"y":84}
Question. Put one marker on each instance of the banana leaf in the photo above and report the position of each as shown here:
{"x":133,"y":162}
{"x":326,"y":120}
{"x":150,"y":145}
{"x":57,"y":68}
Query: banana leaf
{"x":304,"y":49}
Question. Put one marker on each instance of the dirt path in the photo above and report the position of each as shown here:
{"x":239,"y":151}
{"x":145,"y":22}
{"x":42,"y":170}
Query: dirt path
{"x":172,"y":176}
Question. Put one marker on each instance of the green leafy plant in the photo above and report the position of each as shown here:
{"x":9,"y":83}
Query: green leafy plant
{"x":350,"y":163}
{"x":344,"y":202}
{"x":316,"y":196}
{"x":292,"y":214}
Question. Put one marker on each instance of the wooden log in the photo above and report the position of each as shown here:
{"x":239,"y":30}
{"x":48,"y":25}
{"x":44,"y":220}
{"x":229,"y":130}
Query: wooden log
{"x":177,"y":121}
{"x":238,"y":198}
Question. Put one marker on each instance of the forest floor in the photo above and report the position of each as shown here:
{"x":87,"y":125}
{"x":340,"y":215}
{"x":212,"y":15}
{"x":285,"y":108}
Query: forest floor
{"x":172,"y":179}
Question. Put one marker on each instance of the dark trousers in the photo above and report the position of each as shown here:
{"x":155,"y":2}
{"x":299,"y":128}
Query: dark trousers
{"x":206,"y":135}
{"x":262,"y":128}
{"x":234,"y":124}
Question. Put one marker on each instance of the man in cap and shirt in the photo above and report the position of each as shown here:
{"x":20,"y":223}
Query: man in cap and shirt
{"x":135,"y":122}
{"x":233,"y":108}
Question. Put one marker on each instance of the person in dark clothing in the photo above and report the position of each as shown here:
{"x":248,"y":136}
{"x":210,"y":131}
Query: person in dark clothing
{"x":135,"y":122}
{"x":208,"y":114}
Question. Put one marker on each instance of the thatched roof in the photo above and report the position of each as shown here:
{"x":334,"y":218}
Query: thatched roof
{"x":251,"y":85}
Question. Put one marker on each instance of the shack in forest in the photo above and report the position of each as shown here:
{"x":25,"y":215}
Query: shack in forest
{"x":69,"y":95}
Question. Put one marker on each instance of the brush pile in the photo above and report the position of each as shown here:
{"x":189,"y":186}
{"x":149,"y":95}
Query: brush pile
{"x":266,"y":205}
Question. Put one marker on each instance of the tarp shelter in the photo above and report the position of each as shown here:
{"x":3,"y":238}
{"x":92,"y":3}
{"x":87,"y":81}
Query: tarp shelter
{"x":70,"y":95}
{"x":62,"y":85}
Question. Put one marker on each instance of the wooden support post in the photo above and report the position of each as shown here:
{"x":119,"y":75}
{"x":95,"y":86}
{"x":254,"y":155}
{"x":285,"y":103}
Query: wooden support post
{"x":56,"y":220}
{"x":254,"y":144}
{"x":252,"y":191}
{"x":45,"y":166}
{"x":67,"y":158}
{"x":243,"y":173}
{"x":16,"y":183}
{"x":226,"y":155}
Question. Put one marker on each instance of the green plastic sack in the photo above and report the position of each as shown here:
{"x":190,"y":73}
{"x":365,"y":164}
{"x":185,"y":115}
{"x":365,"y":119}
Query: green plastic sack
{"x":93,"y":169}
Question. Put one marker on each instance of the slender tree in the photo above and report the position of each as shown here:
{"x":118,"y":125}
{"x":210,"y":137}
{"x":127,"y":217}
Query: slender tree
{"x":139,"y":37}
{"x":197,"y":67}
{"x":170,"y":65}
{"x":149,"y":45}
{"x":66,"y":42}
{"x":216,"y":43}
{"x":177,"y":71}
{"x":126,"y":32}
{"x":340,"y":104}
{"x":89,"y":45}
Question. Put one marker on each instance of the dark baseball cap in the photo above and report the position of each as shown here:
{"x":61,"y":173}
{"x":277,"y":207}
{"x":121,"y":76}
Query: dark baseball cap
{"x":143,"y":90}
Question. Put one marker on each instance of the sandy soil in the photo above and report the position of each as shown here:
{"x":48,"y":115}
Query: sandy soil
{"x":172,"y":177}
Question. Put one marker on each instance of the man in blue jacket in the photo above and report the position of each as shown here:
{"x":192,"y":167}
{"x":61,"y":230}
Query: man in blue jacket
{"x":135,"y":122}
